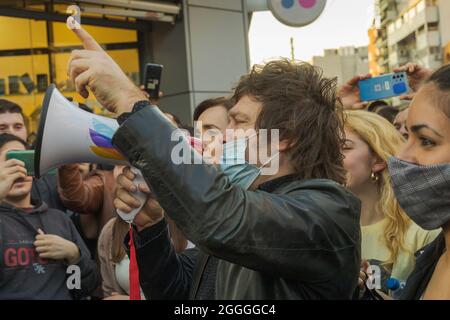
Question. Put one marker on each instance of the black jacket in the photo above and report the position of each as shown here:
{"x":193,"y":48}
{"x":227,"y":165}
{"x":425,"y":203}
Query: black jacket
{"x":166,"y":275}
{"x":300,"y":240}
{"x":426,"y":262}
{"x":23,"y":275}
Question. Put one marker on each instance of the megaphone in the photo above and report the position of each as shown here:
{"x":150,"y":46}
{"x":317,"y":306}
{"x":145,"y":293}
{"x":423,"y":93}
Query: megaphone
{"x":68,"y":134}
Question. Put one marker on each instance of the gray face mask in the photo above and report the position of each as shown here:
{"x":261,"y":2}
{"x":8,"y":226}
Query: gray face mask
{"x":422,"y":191}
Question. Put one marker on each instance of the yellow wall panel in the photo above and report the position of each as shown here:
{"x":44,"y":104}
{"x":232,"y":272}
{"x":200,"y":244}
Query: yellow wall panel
{"x":20,"y":33}
{"x":127,"y":59}
{"x":19,"y":65}
{"x":65,"y":37}
{"x":28,"y":102}
{"x":447,"y":54}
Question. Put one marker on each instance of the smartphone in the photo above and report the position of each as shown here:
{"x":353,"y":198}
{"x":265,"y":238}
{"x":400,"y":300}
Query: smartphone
{"x":385,"y":86}
{"x":27,"y":82}
{"x":26,"y":156}
{"x":152,"y":79}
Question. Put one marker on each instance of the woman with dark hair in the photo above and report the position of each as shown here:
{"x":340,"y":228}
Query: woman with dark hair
{"x":421,"y":182}
{"x":211,"y":121}
{"x":389,"y":239}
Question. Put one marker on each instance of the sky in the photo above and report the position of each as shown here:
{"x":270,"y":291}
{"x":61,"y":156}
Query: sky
{"x":343,"y":23}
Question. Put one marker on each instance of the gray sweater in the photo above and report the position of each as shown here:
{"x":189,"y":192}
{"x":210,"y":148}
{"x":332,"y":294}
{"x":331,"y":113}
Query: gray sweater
{"x":23,"y":275}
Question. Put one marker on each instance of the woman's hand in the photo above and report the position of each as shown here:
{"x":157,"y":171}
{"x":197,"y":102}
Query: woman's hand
{"x":349,"y":93}
{"x":363,"y":274}
{"x":416,"y":76}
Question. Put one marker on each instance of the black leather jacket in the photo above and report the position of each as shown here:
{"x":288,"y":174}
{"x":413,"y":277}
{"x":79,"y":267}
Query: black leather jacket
{"x":426,"y":260}
{"x":300,"y":240}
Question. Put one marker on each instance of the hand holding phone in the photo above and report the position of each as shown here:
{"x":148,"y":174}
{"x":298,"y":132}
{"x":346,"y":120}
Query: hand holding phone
{"x":348,"y":93}
{"x":384,"y":86}
{"x":10,"y":171}
{"x":26,"y":156}
{"x":152,"y":80}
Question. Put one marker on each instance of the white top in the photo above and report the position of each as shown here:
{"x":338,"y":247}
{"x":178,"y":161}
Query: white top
{"x":123,"y":275}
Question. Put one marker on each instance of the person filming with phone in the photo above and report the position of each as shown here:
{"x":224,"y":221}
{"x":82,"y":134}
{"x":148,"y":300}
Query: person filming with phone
{"x":37,"y":244}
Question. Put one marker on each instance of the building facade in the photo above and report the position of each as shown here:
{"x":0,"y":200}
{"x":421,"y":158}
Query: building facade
{"x":344,"y":62}
{"x":412,"y":30}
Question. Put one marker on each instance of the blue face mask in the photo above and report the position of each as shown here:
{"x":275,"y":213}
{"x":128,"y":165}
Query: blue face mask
{"x":234,"y":165}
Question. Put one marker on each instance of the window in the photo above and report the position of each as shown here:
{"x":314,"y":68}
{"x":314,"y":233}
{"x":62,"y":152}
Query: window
{"x":25,"y":56}
{"x":435,"y":50}
{"x":433,"y":26}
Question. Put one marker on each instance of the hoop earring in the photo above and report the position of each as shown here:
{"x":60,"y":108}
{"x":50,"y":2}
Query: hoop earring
{"x":374,"y":177}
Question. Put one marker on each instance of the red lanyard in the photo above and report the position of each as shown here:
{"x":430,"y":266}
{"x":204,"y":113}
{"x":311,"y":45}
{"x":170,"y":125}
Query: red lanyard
{"x":135,"y":291}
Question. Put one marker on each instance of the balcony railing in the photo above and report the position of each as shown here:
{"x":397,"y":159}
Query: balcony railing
{"x":403,"y":28}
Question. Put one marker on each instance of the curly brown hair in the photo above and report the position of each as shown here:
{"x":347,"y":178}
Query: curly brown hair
{"x":299,"y":101}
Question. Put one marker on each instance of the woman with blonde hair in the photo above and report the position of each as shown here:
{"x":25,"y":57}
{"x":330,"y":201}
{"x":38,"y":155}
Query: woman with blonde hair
{"x":389,"y":238}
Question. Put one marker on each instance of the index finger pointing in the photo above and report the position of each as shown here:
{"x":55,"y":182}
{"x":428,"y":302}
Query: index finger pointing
{"x":88,"y":41}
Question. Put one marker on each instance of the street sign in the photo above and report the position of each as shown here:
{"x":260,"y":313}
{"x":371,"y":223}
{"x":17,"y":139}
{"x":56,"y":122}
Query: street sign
{"x":296,"y":13}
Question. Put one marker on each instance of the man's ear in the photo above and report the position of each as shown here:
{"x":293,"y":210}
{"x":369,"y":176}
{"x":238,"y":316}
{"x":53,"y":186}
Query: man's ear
{"x":284,"y":145}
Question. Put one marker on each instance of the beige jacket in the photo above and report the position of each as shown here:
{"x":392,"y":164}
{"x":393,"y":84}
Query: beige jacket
{"x":107,"y":266}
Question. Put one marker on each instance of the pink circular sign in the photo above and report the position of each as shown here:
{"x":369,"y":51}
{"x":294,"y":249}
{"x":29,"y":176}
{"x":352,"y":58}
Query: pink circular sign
{"x":307,"y":4}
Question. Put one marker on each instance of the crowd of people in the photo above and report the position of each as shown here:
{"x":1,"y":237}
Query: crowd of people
{"x":359,"y":207}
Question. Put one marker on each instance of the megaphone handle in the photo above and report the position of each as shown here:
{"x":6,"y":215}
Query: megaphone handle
{"x":142,"y":197}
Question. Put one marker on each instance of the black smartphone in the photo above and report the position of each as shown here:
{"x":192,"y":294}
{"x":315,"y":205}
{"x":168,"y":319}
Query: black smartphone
{"x":14,"y":87}
{"x":152,"y":79}
{"x":27,"y":82}
{"x":2,"y":87}
{"x":42,"y":82}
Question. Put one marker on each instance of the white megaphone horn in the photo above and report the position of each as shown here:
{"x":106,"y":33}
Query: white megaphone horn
{"x":68,"y":134}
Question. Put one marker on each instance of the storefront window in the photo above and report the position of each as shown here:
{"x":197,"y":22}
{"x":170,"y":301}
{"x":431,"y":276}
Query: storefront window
{"x":31,"y":57}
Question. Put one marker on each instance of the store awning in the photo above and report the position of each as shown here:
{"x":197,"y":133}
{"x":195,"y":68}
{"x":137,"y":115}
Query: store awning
{"x":162,"y":11}
{"x":142,"y":10}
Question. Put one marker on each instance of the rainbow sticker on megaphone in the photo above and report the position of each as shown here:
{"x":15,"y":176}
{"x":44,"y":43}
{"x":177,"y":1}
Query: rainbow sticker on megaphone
{"x":101,"y":136}
{"x":296,"y":13}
